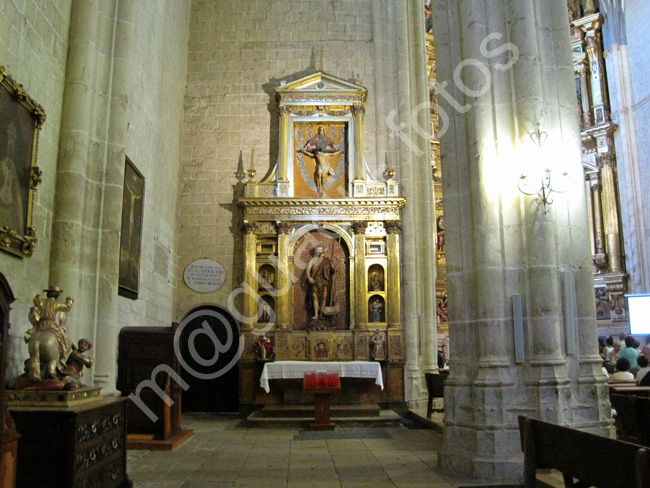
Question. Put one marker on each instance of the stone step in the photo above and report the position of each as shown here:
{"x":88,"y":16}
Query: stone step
{"x":385,"y":418}
{"x":292,"y":411}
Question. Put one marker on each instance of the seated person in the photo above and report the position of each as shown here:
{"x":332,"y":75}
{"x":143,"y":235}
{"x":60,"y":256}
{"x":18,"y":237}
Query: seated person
{"x":622,"y":371}
{"x":644,"y":367}
{"x":629,"y":352}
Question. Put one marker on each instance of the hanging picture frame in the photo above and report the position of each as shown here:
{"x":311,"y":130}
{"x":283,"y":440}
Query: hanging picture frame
{"x":21,"y":119}
{"x":131,"y":233}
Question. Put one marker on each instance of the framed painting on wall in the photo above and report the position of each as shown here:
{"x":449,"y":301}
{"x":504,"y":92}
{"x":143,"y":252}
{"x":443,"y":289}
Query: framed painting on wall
{"x":21,"y":118}
{"x":131,"y":235}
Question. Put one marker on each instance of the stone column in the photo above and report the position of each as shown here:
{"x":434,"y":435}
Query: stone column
{"x":629,"y":160}
{"x":90,"y":173}
{"x":411,"y":122}
{"x":361,"y":278}
{"x":108,"y":327}
{"x":284,"y":297}
{"x":250,"y":305}
{"x":504,"y":67}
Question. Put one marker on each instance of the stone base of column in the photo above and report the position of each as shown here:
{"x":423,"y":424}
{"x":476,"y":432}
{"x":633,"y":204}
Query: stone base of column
{"x":491,"y":470}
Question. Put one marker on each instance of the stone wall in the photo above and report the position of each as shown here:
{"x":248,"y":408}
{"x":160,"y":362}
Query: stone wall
{"x":87,"y":139}
{"x":155,"y":115}
{"x":239,"y":53}
{"x":33,"y":49}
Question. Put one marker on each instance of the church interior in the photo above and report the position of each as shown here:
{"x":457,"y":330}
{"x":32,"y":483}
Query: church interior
{"x":220,"y":214}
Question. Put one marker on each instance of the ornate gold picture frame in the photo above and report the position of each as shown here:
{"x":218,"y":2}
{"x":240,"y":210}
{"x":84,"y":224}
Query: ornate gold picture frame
{"x":21,"y":118}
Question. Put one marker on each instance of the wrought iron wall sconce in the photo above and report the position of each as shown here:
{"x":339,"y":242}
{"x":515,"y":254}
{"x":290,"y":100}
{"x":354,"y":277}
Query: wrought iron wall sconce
{"x":542,"y":187}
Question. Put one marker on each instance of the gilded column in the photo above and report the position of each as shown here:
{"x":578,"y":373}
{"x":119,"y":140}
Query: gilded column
{"x":361,"y":279}
{"x":394,"y":312}
{"x":284,"y":142}
{"x":600,"y":258}
{"x":358,"y":111}
{"x":250,"y":305}
{"x":283,"y":298}
{"x":610,"y":211}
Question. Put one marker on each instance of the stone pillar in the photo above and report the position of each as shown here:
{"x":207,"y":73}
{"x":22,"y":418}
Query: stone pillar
{"x":90,"y":174}
{"x":250,"y":305}
{"x":361,"y":277}
{"x":411,"y":117}
{"x":503,"y":68}
{"x":629,"y":160}
{"x":108,"y":327}
{"x":284,"y":296}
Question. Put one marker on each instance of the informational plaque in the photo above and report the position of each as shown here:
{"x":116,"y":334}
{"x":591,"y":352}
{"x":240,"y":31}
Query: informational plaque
{"x":204,"y":275}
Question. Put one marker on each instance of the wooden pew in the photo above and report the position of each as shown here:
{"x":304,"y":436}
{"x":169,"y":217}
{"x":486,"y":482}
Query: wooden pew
{"x":593,"y":460}
{"x":627,"y":428}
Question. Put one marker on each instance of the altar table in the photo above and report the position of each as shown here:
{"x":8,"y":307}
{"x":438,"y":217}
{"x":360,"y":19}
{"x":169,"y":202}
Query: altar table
{"x":296,"y":370}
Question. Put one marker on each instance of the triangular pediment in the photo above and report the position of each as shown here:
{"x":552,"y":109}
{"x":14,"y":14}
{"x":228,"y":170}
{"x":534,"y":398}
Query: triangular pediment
{"x":320,"y":83}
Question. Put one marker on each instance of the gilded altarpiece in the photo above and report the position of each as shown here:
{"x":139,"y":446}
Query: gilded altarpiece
{"x":601,"y":173}
{"x":321,"y":245}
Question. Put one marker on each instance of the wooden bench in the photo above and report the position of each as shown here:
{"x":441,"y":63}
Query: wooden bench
{"x":591,"y":459}
{"x":436,"y":389}
{"x":632,"y":418}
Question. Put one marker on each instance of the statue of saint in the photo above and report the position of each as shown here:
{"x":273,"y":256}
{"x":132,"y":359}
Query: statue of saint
{"x":47,"y":317}
{"x":377,"y":341}
{"x":319,"y":148}
{"x":319,"y":274}
{"x":263,"y":347}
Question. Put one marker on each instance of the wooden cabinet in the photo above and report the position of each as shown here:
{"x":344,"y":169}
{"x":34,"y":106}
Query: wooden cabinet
{"x":8,"y":434}
{"x":80,"y":446}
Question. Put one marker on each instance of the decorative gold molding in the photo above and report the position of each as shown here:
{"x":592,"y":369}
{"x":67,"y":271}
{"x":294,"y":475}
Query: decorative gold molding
{"x":352,"y":208}
{"x":21,"y":176}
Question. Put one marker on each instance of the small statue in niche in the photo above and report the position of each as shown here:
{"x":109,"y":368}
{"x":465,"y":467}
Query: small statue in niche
{"x":375,"y":282}
{"x":265,"y":311}
{"x":263,"y":348}
{"x":266,"y":281}
{"x":377,"y":346}
{"x":441,"y":310}
{"x":375,"y":310}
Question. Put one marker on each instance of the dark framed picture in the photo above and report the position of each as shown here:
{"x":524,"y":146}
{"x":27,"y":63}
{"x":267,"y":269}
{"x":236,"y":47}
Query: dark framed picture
{"x":131,"y":236}
{"x":21,"y":118}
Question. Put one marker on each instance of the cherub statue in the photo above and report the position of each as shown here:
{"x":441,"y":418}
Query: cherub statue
{"x":76,"y":362}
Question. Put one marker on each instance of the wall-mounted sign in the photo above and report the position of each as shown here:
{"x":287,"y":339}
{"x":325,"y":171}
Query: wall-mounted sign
{"x":204,"y":275}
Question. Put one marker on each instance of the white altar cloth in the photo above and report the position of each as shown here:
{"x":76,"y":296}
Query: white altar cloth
{"x":296,"y":369}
